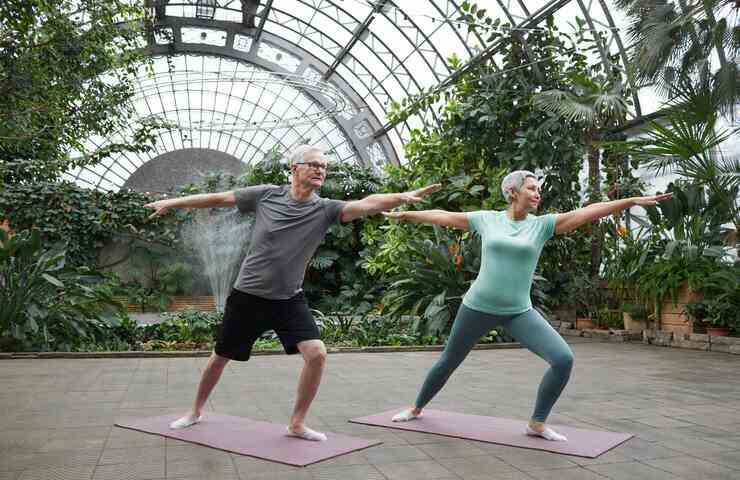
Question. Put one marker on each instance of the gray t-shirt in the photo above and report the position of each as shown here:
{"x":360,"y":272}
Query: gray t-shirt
{"x":285,"y":236}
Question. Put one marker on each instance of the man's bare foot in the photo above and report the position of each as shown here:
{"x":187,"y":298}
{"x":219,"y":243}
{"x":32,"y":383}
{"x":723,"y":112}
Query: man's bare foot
{"x":306,"y":433}
{"x":187,"y":421}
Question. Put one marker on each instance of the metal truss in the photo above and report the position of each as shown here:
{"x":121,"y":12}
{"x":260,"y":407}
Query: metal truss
{"x":375,"y":52}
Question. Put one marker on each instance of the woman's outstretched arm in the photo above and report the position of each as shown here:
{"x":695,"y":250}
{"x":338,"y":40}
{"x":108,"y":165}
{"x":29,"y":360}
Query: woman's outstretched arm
{"x":443,"y":218}
{"x":569,"y":221}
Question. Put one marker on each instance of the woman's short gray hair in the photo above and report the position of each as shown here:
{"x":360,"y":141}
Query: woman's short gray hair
{"x":514,"y":181}
{"x":298,"y":154}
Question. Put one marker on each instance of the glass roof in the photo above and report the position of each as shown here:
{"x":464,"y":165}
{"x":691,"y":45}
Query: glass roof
{"x":360,"y":55}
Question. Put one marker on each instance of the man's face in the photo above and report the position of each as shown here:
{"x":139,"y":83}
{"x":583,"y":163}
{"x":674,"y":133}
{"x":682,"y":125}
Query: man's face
{"x":311,"y":171}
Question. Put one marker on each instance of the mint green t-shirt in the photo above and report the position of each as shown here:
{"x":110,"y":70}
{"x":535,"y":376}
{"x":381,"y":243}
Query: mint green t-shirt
{"x":510,"y":251}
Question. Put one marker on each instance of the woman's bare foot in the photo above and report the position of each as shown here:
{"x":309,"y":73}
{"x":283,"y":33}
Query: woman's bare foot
{"x":408,"y":414}
{"x":539,"y":429}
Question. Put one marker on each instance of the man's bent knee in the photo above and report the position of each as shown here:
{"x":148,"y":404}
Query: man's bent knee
{"x":314,"y":352}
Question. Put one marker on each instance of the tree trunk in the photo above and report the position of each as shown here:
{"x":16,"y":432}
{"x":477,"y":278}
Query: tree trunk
{"x":594,"y":185}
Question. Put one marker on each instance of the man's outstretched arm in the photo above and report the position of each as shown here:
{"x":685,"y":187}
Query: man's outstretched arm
{"x":382,"y":202}
{"x":201,"y":200}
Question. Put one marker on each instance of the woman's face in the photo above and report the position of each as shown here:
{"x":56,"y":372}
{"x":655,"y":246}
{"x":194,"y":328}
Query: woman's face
{"x":528,"y":196}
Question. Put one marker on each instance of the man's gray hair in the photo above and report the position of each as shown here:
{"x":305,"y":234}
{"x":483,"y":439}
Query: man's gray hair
{"x":298,"y":154}
{"x":514,"y":181}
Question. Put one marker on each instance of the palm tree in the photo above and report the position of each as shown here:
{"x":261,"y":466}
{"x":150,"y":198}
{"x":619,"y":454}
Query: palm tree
{"x":680,"y":39}
{"x":597,"y":105}
{"x":686,"y":142}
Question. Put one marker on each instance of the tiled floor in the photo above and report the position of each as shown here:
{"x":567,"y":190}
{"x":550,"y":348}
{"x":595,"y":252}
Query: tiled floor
{"x":56,"y":416}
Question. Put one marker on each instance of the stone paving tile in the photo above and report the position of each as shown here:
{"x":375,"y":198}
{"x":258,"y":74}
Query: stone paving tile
{"x":633,"y":449}
{"x":63,"y":458}
{"x":416,"y":470}
{"x":132,"y":455}
{"x":477,"y":466}
{"x":693,"y":445}
{"x":354,"y":472}
{"x":202,"y":468}
{"x":350,"y":460}
{"x":525,"y":459}
{"x":452,"y":448}
{"x":23,"y":440}
{"x":727,"y":459}
{"x":129,"y":471}
{"x":578,"y":473}
{"x":632,"y":471}
{"x":58,"y":473}
{"x":394,"y":453}
{"x":248,"y":468}
{"x":295,"y":475}
{"x":126,"y":438}
{"x":692,"y":467}
{"x":56,"y":415}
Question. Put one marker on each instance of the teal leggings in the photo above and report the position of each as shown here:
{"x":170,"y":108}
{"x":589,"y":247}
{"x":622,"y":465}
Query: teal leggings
{"x":529,"y":328}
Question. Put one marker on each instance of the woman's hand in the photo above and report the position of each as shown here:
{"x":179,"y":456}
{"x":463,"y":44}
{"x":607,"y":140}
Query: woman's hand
{"x":394,"y":215}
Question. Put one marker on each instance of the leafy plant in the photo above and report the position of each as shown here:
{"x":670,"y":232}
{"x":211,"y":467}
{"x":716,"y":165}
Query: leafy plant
{"x":431,"y":283}
{"x":637,"y":311}
{"x":609,"y":318}
{"x":86,"y":219}
{"x":696,"y":310}
{"x":586,"y":295}
{"x":686,"y":143}
{"x":45,"y":304}
{"x":721,"y":289}
{"x":186,"y":325}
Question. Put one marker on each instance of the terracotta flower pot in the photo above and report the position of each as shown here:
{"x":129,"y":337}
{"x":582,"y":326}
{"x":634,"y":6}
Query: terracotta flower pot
{"x":584,"y":322}
{"x":717,"y":331}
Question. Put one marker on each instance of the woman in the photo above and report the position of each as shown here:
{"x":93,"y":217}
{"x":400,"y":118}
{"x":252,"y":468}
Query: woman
{"x":512,"y":241}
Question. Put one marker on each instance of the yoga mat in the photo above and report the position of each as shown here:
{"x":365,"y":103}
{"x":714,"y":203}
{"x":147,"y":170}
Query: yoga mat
{"x":241,"y":435}
{"x":504,"y":431}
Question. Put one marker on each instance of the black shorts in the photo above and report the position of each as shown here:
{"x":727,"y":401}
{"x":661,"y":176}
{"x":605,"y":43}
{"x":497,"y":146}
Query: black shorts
{"x":247,"y":317}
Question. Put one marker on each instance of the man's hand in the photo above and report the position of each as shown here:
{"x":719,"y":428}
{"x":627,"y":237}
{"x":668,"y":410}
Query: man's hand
{"x":160,"y":207}
{"x":418,"y":195}
{"x":381,"y":202}
{"x":651,"y":200}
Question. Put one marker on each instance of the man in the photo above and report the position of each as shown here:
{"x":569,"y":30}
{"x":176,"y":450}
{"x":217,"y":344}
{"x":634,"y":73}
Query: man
{"x":290,"y":223}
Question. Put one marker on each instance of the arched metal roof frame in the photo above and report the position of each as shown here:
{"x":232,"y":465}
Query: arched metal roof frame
{"x":105,"y":170}
{"x":375,"y":83}
{"x":344,"y":61}
{"x":364,"y":116}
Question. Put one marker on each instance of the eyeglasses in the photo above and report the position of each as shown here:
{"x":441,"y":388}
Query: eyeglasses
{"x":322,"y":167}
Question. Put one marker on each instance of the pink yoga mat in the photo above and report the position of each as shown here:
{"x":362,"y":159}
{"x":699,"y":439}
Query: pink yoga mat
{"x":241,"y":435}
{"x":504,"y":431}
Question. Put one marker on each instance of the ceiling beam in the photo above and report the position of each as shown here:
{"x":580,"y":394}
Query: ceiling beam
{"x":537,"y":17}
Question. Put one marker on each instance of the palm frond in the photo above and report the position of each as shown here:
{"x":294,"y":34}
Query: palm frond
{"x":568,"y":106}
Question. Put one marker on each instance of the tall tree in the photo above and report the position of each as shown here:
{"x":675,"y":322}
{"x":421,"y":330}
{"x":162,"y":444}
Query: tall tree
{"x":596,"y":104}
{"x":67,"y":74}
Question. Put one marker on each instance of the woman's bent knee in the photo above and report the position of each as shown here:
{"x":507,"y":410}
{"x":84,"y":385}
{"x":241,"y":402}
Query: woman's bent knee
{"x":563,"y":363}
